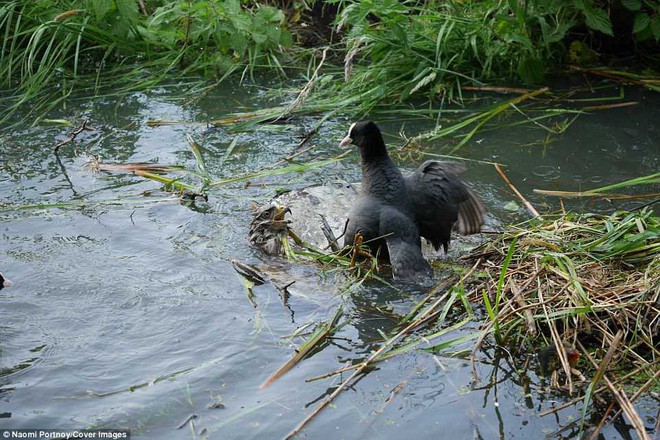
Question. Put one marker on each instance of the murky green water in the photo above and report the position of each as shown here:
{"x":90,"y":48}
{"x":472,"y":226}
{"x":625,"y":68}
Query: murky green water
{"x":126,"y":313}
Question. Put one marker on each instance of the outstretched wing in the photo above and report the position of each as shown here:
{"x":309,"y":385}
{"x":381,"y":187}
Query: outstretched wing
{"x":440,"y":200}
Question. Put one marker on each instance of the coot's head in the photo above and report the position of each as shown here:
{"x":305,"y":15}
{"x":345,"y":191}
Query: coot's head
{"x":366,"y":135}
{"x":4,"y":282}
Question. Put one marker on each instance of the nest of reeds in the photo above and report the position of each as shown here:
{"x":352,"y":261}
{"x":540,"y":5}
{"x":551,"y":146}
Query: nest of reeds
{"x":589,"y":282}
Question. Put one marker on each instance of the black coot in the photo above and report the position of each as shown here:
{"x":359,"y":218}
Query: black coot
{"x":393,"y":211}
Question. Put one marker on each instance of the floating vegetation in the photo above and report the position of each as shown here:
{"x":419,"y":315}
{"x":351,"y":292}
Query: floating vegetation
{"x":422,"y":317}
{"x":477,"y":121}
{"x":584,"y":281}
{"x":580,"y":291}
{"x":606,"y":191}
{"x":650,"y":82}
{"x":320,"y":335}
{"x":199,"y":182}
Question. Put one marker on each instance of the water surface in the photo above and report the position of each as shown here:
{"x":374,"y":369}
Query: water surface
{"x":126,"y":312}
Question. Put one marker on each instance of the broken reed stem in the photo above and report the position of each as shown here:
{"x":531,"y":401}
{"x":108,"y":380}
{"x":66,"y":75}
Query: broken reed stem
{"x":389,"y":343}
{"x":332,"y":373}
{"x":627,"y":407}
{"x":306,"y":90}
{"x":314,"y":130}
{"x":559,"y":346}
{"x":304,"y":140}
{"x":386,"y":345}
{"x":397,"y":389}
{"x":639,"y":392}
{"x":522,"y":304}
{"x":442,"y":286}
{"x":614,"y":345}
{"x":501,"y":316}
{"x":72,"y":136}
{"x":610,"y":106}
{"x":528,"y":205}
{"x":613,"y":76}
{"x":603,"y":422}
{"x":577,"y":400}
{"x":603,"y":195}
{"x":496,"y":89}
{"x":622,"y":399}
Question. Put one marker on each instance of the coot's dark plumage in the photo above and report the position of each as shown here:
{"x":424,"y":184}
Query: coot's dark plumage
{"x":442,"y":202}
{"x":392,"y":212}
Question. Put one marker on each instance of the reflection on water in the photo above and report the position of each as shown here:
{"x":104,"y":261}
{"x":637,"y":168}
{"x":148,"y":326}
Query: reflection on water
{"x":126,"y":312}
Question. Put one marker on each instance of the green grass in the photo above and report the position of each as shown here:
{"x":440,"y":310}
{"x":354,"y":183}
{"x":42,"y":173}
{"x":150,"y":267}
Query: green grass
{"x":51,"y":49}
{"x":390,"y":52}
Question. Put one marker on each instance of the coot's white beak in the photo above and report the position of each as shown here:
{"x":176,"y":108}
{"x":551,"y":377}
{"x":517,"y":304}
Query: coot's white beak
{"x":346,"y":142}
{"x":6,"y":283}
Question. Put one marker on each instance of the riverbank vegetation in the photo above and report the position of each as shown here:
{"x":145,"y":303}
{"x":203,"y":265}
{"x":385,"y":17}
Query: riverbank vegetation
{"x":378,"y":51}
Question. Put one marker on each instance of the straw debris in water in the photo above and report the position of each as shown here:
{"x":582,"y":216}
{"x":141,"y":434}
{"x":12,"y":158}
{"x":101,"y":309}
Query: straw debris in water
{"x":580,"y":280}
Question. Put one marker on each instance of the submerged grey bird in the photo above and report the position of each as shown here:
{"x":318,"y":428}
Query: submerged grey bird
{"x":392,"y":212}
{"x":268,"y":227}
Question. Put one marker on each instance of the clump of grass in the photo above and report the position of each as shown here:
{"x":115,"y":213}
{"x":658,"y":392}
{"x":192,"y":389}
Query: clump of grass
{"x":399,"y":49}
{"x":591,"y":274}
{"x":579,"y":280}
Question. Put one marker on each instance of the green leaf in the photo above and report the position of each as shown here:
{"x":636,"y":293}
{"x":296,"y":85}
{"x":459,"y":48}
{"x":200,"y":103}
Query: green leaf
{"x":128,"y":10}
{"x":655,"y":27}
{"x":598,"y":20}
{"x":581,"y":5}
{"x":286,"y":39}
{"x":633,"y":5}
{"x":259,"y":37}
{"x":642,"y":20}
{"x":224,"y":32}
{"x":400,"y":35}
{"x":239,"y":43}
{"x":273,"y":35}
{"x":270,"y":14}
{"x":558,"y":33}
{"x":232,"y":7}
{"x":531,"y":70}
{"x":241,"y":21}
{"x":100,"y":8}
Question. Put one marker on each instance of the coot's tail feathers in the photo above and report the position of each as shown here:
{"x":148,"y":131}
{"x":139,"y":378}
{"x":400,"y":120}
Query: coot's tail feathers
{"x":470,"y":213}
